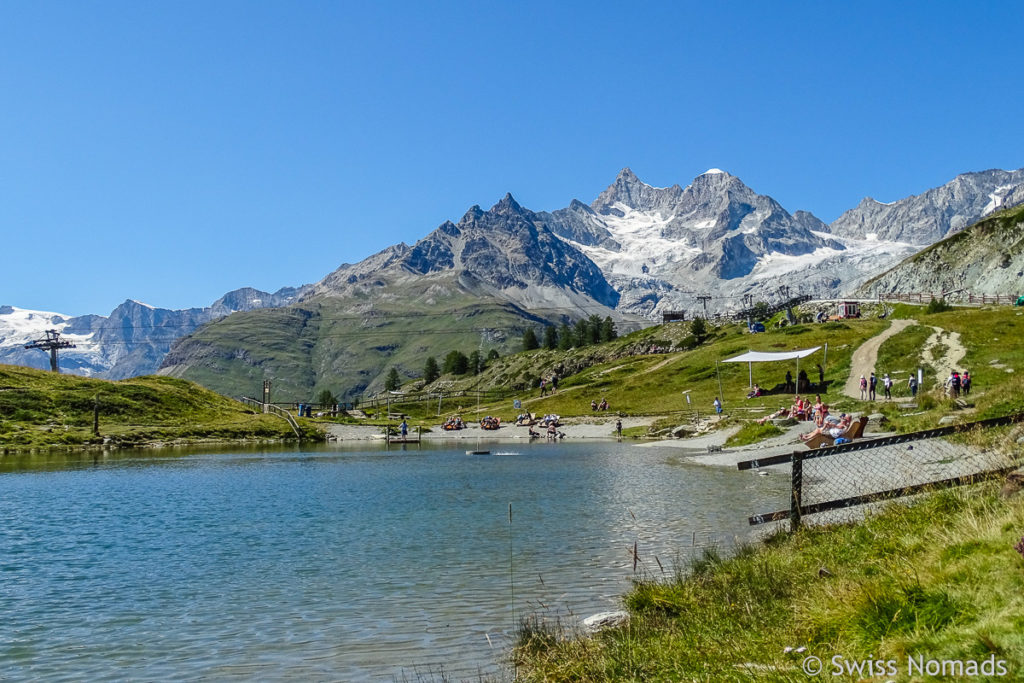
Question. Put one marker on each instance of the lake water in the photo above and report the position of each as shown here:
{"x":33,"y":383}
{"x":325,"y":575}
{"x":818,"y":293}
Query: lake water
{"x":335,"y":564}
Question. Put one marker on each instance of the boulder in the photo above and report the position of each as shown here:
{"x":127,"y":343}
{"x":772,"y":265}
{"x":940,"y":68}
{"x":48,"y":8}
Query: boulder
{"x":603,"y":620}
{"x":1014,"y":484}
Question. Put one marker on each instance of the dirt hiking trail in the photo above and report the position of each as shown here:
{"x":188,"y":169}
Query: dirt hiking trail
{"x":866,"y":355}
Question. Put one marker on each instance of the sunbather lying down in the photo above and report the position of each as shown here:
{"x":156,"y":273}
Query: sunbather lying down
{"x":781,"y":412}
{"x":833,"y":430}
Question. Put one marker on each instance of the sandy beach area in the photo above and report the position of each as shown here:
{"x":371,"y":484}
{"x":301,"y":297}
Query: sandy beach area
{"x":705,"y":449}
{"x":573,"y":427}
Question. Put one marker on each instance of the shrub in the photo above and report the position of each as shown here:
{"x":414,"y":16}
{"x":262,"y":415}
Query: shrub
{"x":937,"y":306}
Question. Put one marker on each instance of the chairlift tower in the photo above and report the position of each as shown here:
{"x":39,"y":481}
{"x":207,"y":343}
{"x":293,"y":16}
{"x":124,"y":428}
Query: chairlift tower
{"x":748,"y":307}
{"x":787,"y":302}
{"x":51,"y":344}
{"x":704,"y":299}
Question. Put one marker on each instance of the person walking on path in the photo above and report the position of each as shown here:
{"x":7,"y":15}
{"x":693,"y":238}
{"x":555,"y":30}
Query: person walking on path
{"x":872,"y":384}
{"x":618,"y":427}
{"x":718,"y":406}
{"x":912,"y":383}
{"x":543,"y":386}
{"x":863,"y":388}
{"x":965,"y":382}
{"x":554,"y":383}
{"x":954,"y":384}
{"x":887,"y":385}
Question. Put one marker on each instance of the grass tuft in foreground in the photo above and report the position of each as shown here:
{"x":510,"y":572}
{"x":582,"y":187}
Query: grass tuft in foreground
{"x":938,"y":579}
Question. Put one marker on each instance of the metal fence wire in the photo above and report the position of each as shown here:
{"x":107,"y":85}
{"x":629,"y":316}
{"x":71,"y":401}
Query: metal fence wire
{"x":838,"y":480}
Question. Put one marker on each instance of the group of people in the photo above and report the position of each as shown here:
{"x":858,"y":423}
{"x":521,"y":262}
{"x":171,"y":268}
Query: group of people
{"x":869,"y":386}
{"x":959,"y":383}
{"x":802,"y":409}
{"x":551,"y":432}
{"x":603,"y":405}
{"x":490,"y":422}
{"x":832,"y":427}
{"x":548,"y":384}
{"x":452,"y":423}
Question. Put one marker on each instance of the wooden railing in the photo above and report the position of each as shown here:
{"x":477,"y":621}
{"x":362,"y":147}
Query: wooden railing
{"x":271,"y":408}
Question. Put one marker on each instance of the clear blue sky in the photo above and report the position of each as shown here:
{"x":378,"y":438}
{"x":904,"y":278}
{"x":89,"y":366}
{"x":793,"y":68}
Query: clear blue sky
{"x":170,"y":152}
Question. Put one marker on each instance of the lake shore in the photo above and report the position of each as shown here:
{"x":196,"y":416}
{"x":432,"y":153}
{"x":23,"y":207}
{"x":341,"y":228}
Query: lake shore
{"x":585,"y":427}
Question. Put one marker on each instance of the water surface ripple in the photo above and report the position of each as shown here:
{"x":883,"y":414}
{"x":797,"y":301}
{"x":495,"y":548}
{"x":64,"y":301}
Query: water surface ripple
{"x":334,"y":564}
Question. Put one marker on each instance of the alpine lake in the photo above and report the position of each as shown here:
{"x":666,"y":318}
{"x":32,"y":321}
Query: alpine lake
{"x":342,"y":562}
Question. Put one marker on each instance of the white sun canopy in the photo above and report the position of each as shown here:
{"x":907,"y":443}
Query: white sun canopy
{"x":770,"y":356}
{"x":751,"y":357}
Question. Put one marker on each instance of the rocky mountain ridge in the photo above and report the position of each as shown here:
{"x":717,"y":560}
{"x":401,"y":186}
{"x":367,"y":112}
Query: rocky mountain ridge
{"x":132,"y":340}
{"x":636,"y":250}
{"x":987,"y":258}
{"x":926,"y":218}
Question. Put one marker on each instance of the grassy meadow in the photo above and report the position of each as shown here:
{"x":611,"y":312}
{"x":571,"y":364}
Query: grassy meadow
{"x":636,"y":383}
{"x":43,"y":409}
{"x":897,"y":586}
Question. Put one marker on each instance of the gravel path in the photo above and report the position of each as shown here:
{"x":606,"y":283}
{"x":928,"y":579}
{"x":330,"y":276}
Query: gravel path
{"x":866,"y":355}
{"x":955,"y":352}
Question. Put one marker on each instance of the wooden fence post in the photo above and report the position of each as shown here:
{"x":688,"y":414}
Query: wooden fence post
{"x":798,"y":491}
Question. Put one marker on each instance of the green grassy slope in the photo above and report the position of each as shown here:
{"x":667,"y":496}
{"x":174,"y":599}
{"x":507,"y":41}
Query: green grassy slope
{"x":322,"y":344}
{"x":897,"y":586}
{"x":654,"y":384}
{"x":42,"y":408}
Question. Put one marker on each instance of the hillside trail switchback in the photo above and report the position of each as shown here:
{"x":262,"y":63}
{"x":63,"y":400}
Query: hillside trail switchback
{"x":866,"y":355}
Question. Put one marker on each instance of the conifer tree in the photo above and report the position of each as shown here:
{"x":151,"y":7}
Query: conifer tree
{"x":430,"y":370}
{"x":476,"y":363}
{"x":550,"y":337}
{"x":530,"y":340}
{"x":565,"y":337}
{"x":456,"y":363}
{"x":608,"y":331}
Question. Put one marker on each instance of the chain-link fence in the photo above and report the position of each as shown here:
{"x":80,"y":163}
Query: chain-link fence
{"x":837,"y":480}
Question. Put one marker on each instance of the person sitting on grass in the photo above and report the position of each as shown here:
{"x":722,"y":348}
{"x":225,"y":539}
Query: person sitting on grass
{"x":755,"y":392}
{"x":593,"y":405}
{"x":834,"y":431}
{"x":603,"y":405}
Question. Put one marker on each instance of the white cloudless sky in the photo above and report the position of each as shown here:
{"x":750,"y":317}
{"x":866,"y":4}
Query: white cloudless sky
{"x":171,"y":152}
